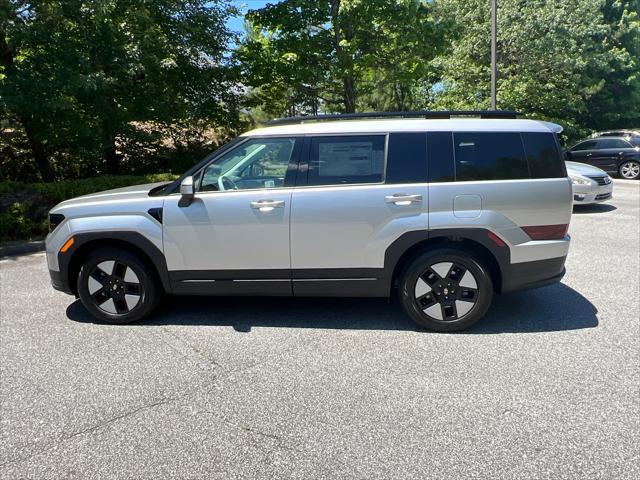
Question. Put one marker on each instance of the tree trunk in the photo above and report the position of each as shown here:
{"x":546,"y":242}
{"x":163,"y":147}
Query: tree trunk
{"x":39,"y":154}
{"x":349,"y":95}
{"x":346,"y":64}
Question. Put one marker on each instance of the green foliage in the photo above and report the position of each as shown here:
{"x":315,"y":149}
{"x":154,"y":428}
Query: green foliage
{"x":556,"y":60}
{"x":616,"y":103}
{"x":24,"y":206}
{"x":79,"y":75}
{"x":301,"y":56}
{"x":89,"y":87}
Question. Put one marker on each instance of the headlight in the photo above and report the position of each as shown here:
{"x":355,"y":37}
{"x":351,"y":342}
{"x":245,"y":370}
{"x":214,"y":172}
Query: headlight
{"x":578,"y":180}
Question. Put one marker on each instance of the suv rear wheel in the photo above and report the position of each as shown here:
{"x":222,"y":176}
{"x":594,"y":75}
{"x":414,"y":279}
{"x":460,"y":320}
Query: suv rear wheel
{"x":116,"y":286}
{"x":446,"y":290}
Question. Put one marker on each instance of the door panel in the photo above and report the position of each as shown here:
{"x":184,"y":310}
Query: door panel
{"x":350,"y":227}
{"x":237,"y":232}
{"x":601,"y":158}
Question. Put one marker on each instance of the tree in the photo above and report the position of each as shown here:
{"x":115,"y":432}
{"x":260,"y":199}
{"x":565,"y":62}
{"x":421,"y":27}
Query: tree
{"x":616,"y":104}
{"x":100,"y":66}
{"x":341,"y":55}
{"x":553,"y":57}
{"x":16,"y":92}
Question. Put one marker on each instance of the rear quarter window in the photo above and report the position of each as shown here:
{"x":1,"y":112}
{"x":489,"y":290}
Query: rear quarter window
{"x":489,"y":156}
{"x":605,"y":143}
{"x":543,"y":155}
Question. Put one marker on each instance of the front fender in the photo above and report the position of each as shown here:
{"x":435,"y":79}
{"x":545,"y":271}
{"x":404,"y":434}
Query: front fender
{"x":142,"y":232}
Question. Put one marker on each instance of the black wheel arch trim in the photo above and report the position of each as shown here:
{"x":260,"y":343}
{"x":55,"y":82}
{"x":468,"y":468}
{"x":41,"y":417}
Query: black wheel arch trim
{"x":137,"y":240}
{"x":450,"y":237}
{"x":358,"y":281}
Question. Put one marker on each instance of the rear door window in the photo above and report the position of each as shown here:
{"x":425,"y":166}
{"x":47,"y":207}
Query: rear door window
{"x":543,"y":155}
{"x":489,"y":156}
{"x":337,"y":160}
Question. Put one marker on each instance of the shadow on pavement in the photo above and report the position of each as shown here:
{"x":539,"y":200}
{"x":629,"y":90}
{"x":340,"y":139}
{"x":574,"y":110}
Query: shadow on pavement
{"x":594,"y":208}
{"x":548,"y":309}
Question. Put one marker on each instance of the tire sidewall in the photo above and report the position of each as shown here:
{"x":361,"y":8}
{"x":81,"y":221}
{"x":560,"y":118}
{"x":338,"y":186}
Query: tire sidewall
{"x":147,"y":279}
{"x":419,"y":265}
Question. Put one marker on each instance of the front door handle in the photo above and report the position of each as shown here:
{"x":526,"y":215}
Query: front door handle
{"x":267,"y":205}
{"x":403,"y":199}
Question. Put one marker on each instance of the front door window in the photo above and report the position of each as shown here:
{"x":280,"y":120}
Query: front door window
{"x":255,"y":164}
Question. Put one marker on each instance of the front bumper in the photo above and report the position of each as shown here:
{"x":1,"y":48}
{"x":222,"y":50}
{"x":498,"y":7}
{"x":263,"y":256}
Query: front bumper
{"x":585,"y":194}
{"x":58,"y":283}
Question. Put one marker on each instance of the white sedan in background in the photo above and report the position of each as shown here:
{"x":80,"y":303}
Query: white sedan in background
{"x":590,"y":184}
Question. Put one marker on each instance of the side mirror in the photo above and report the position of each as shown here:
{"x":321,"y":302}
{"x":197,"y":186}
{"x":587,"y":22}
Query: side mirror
{"x":187,"y":192}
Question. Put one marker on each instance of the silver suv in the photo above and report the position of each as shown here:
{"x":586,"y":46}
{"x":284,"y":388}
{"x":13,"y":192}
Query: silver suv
{"x":445,"y":211}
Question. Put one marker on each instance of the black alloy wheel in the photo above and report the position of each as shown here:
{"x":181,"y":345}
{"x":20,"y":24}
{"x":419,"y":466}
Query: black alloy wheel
{"x":446,"y":290}
{"x":116,"y":286}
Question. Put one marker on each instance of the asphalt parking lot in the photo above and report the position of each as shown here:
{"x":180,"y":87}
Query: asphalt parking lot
{"x":547,"y":386}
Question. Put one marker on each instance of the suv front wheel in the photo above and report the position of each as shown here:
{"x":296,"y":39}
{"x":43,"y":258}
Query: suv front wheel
{"x":446,"y":290}
{"x":116,"y":286}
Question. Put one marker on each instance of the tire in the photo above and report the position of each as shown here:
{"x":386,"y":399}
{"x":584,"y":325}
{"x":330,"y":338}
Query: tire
{"x":116,"y":286}
{"x":630,"y":170}
{"x":436,"y":290}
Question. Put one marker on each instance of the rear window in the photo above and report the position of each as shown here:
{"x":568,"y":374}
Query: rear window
{"x":489,"y":156}
{"x":543,"y":155}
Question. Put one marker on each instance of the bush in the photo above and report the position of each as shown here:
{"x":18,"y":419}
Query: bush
{"x":24,"y":206}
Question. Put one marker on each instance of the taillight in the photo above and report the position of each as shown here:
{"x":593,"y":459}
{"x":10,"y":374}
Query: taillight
{"x":55,"y":219}
{"x":547,"y":232}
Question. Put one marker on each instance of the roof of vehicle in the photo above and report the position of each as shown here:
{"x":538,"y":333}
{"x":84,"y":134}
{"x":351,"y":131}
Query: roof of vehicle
{"x":407,"y":125}
{"x":616,"y":133}
{"x":605,"y":137}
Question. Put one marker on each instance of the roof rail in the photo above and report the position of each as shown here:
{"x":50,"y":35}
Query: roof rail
{"x":415,"y":114}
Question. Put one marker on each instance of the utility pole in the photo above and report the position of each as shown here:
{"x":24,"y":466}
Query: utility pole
{"x":494,"y":68}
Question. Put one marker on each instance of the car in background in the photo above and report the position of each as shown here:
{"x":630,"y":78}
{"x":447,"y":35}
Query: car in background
{"x":590,"y":184}
{"x":614,"y":155}
{"x":632,"y":136}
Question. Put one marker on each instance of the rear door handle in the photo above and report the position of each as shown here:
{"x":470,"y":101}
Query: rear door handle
{"x":267,"y":205}
{"x":403,"y":199}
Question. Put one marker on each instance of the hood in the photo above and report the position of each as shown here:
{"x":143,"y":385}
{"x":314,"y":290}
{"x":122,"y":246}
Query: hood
{"x":575,"y":168}
{"x":119,"y":200}
{"x":133,"y":192}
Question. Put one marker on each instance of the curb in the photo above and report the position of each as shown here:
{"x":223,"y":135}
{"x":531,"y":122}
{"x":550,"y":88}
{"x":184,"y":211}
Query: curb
{"x":14,"y":249}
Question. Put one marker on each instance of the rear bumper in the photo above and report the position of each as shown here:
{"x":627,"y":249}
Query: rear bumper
{"x":527,"y":275}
